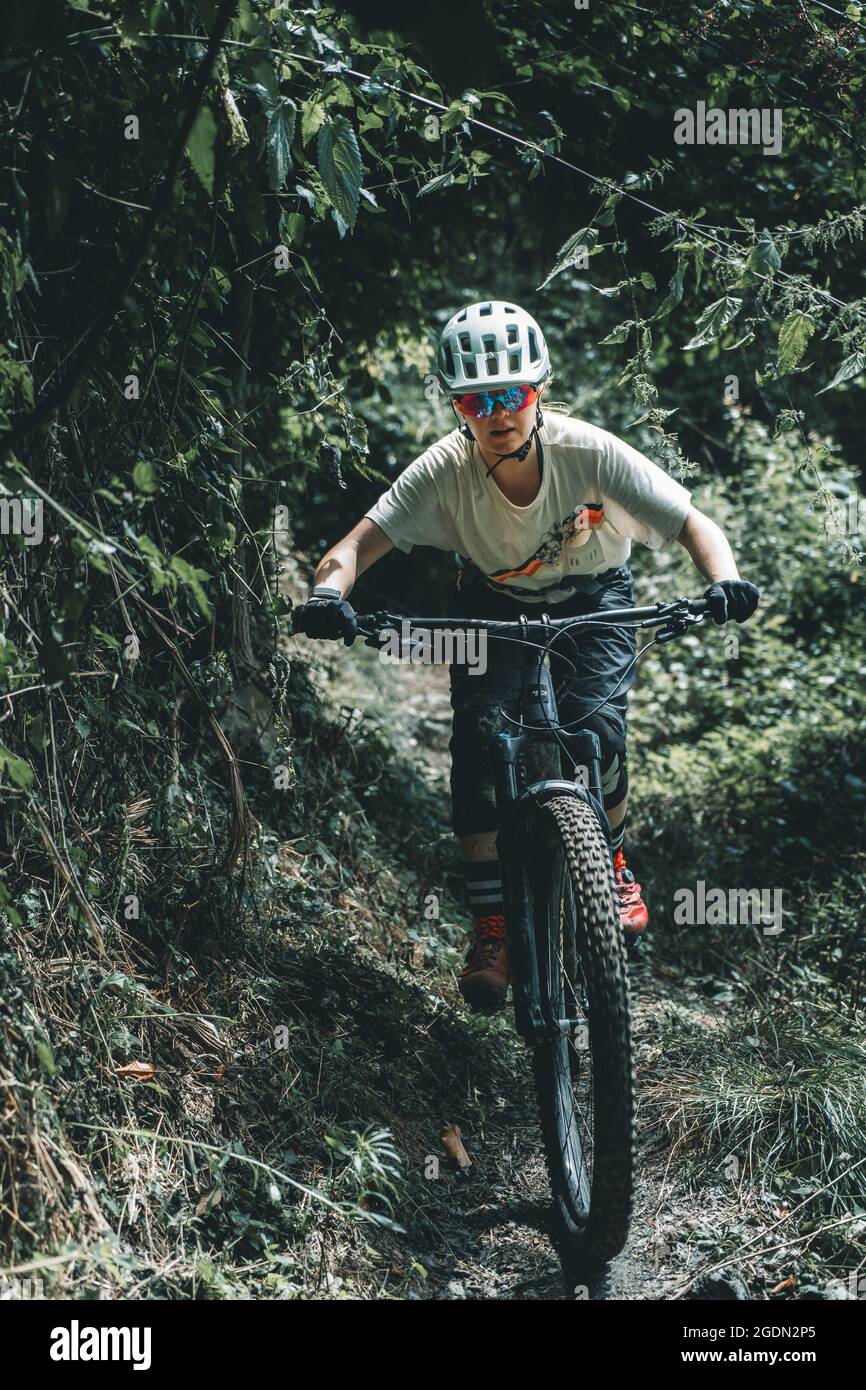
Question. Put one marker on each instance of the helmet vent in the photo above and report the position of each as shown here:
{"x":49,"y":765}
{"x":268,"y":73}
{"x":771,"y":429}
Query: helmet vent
{"x":489,"y":345}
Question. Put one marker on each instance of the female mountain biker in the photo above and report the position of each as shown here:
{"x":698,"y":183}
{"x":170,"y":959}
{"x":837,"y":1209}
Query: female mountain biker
{"x":541,"y":512}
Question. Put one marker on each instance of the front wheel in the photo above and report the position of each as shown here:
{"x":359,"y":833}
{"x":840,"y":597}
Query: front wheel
{"x":583,"y":1070}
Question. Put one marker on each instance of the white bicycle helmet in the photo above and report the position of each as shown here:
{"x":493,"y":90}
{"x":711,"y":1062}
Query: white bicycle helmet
{"x":490,"y":345}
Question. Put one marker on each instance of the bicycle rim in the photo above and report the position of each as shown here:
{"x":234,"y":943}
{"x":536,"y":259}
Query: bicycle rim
{"x":583,"y":1069}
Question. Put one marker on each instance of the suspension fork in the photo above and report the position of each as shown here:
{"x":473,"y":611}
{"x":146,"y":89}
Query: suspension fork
{"x":584,"y":752}
{"x":583,"y":745}
{"x":526,"y":990}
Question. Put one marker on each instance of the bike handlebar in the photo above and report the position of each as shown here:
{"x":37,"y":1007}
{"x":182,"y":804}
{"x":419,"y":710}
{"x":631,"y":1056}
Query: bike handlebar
{"x":684,"y":611}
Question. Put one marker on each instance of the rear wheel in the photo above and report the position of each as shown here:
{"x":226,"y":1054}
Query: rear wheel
{"x":583,"y":1071}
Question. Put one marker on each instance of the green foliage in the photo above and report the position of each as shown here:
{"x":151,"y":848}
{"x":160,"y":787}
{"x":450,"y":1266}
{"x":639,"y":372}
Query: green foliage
{"x":781,"y":1092}
{"x":794,"y":335}
{"x":268,"y":348}
{"x":341,"y":169}
{"x":201,"y":147}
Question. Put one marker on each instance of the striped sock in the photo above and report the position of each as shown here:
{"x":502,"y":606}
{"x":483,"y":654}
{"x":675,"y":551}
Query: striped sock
{"x":484,"y":892}
{"x":617,"y":836}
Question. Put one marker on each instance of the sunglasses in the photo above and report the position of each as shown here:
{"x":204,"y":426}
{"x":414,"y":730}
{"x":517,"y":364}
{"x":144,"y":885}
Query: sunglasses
{"x":481,"y":403}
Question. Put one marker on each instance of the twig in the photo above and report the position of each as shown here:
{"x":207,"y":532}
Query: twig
{"x":733,"y":1259}
{"x":164,"y":197}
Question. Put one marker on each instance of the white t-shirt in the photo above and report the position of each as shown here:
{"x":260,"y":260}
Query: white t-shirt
{"x":597,"y":495}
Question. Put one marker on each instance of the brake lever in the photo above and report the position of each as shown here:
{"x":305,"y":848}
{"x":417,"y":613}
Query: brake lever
{"x":681,"y":625}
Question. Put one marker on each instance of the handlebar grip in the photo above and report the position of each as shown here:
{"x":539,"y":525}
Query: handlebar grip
{"x":698,"y":606}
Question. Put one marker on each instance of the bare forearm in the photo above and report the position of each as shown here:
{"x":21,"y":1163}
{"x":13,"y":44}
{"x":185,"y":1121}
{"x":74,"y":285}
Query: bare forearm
{"x":346,"y":561}
{"x":338,"y":569}
{"x":708,"y":547}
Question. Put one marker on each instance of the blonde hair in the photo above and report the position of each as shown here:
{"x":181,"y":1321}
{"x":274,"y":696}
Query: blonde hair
{"x":555,"y":407}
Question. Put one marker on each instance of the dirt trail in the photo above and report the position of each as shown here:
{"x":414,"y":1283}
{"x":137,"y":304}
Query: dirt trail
{"x":485,"y":1231}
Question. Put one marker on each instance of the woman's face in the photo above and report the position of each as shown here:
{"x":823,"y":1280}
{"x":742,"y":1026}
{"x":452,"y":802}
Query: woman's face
{"x":503,"y":431}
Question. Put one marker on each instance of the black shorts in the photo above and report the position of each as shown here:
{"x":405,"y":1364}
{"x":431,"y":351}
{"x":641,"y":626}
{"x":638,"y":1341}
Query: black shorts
{"x":602,"y":656}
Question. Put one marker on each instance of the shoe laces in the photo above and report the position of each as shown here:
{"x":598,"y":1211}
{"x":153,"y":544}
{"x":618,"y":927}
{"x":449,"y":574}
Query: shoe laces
{"x":489,"y":939}
{"x":626,"y":885}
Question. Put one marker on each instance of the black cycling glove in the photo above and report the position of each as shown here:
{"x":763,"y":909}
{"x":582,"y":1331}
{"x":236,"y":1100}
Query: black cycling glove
{"x":732,"y":598}
{"x":327,"y":615}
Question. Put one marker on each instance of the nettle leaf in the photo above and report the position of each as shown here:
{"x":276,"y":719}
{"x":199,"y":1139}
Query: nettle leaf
{"x":292,"y":227}
{"x":19,"y":772}
{"x":195,"y":578}
{"x":713,"y":320}
{"x":157,"y":562}
{"x":281,"y":130}
{"x":611,"y":291}
{"x":675,"y":290}
{"x":313,"y":116}
{"x":764,"y":257}
{"x":618,"y":334}
{"x":457,"y":113}
{"x":144,"y":477}
{"x":341,"y":168}
{"x":794,"y":334}
{"x":200,"y":147}
{"x":440,"y":181}
{"x":853,"y":366}
{"x":572,"y":251}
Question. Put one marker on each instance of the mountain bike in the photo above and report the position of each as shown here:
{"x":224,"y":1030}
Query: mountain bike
{"x":567,"y":955}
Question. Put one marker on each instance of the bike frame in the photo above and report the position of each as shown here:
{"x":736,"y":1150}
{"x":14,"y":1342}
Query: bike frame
{"x":516,"y":806}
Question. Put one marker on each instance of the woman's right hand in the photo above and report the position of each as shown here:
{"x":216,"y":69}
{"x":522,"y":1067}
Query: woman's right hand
{"x":326,"y":615}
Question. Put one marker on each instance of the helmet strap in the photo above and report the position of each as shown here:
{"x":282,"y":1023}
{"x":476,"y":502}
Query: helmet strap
{"x":519,"y":454}
{"x":462,"y":426}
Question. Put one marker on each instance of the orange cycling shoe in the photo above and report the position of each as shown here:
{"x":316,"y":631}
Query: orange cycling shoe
{"x":484,"y":978}
{"x":632,"y":908}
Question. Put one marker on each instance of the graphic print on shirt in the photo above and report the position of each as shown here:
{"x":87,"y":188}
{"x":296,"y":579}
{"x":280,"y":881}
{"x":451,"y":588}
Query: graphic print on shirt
{"x":574,"y":531}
